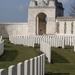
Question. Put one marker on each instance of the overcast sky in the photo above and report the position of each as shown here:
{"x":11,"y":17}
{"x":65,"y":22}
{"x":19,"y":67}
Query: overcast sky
{"x":16,"y":10}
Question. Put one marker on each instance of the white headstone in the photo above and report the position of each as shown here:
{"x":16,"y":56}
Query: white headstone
{"x":12,"y":70}
{"x":20,"y":68}
{"x":3,"y":72}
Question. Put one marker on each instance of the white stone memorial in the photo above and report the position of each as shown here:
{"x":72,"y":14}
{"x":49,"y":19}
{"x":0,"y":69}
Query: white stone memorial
{"x":20,"y":68}
{"x":12,"y":70}
{"x":3,"y":72}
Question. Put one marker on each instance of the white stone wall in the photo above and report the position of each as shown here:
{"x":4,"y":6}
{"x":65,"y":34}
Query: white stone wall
{"x":66,"y":22}
{"x":7,"y":29}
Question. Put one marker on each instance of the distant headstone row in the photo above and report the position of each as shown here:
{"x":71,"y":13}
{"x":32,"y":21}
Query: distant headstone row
{"x":54,"y":41}
{"x":34,"y":66}
{"x":45,"y":41}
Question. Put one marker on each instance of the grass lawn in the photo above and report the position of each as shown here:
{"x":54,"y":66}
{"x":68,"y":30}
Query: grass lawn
{"x":63,"y":62}
{"x":16,"y":53}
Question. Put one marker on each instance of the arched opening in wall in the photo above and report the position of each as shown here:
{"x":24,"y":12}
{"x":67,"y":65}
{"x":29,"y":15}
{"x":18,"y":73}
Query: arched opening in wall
{"x":41,"y":21}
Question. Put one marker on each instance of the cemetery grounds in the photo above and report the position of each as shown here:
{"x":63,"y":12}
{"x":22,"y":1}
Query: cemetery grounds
{"x":63,"y":60}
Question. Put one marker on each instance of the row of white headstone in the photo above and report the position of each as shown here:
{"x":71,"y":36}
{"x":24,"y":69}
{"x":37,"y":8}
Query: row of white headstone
{"x":34,"y":66}
{"x":1,"y":46}
{"x":26,"y":41}
{"x":52,"y":40}
{"x":68,"y":39}
{"x":31,"y":40}
{"x":46,"y":48}
{"x":47,"y":41}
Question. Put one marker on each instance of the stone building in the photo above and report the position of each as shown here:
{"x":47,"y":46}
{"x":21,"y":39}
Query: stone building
{"x":44,"y":17}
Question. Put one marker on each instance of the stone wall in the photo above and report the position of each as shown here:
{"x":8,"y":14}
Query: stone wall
{"x":7,"y":29}
{"x":65,"y":25}
{"x":62,"y":25}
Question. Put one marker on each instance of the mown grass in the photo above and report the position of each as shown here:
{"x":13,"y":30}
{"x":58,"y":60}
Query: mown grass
{"x":63,"y":62}
{"x":14,"y":54}
{"x":58,"y":58}
{"x":9,"y":55}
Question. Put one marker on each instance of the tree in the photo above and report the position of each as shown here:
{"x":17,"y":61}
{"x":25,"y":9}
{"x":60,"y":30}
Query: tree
{"x":72,"y":11}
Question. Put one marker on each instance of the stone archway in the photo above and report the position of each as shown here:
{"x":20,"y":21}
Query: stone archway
{"x":41,"y":24}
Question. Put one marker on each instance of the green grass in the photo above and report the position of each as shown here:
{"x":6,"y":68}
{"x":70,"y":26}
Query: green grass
{"x":63,"y":62}
{"x":58,"y":58}
{"x":9,"y":55}
{"x":49,"y":73}
{"x":14,"y":54}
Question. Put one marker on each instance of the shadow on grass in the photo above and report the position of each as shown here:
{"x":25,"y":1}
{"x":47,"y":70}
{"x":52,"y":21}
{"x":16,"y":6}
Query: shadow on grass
{"x":57,"y":58}
{"x":49,"y":73}
{"x":68,"y":47}
{"x":9,"y":55}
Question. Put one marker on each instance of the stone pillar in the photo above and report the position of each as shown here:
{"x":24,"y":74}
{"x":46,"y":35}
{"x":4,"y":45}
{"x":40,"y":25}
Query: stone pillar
{"x":37,"y":25}
{"x":50,"y":27}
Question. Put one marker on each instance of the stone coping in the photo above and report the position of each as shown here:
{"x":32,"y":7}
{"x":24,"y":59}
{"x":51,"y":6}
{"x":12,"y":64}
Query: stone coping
{"x":65,"y":18}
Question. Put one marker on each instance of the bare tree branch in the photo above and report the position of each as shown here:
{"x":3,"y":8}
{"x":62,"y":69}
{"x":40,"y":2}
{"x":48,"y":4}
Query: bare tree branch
{"x":72,"y":10}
